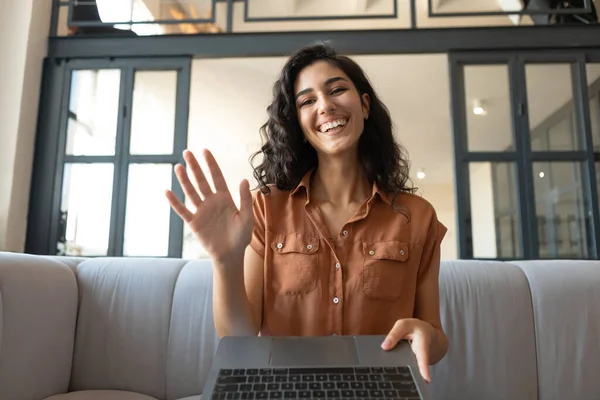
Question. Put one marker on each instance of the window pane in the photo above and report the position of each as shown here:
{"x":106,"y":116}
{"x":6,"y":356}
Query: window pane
{"x":86,"y":209}
{"x":593,"y":80}
{"x":320,"y":8}
{"x":153,"y":114}
{"x":551,"y":108}
{"x":595,"y":120}
{"x":441,"y":7}
{"x":598,"y":179}
{"x":148,"y":211}
{"x":93,"y":112}
{"x":489,"y":123}
{"x":503,"y":183}
{"x":562,"y":214}
{"x":494,"y":211}
{"x":139,"y":10}
{"x":121,"y":12}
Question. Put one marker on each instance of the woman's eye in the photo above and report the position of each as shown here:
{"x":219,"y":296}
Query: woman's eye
{"x":338,"y":90}
{"x":306,"y":102}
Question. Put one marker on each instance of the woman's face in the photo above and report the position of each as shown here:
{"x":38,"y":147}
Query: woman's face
{"x":330,"y":109}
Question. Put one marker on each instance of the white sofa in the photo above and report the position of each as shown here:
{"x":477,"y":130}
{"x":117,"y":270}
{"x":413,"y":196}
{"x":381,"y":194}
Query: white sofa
{"x":140,"y":329}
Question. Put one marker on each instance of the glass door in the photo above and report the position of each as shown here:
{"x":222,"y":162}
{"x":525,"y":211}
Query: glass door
{"x":486,"y":158}
{"x":92,"y":124}
{"x":559,"y":124}
{"x":123,"y":127}
{"x":526,"y":176}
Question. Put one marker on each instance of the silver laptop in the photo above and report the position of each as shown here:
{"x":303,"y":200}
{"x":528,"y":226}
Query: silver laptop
{"x":336,"y":367}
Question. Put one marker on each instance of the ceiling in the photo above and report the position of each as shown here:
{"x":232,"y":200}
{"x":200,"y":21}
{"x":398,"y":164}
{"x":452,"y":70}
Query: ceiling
{"x":183,"y":9}
{"x":414,"y":87}
{"x":112,"y":10}
{"x":287,"y":8}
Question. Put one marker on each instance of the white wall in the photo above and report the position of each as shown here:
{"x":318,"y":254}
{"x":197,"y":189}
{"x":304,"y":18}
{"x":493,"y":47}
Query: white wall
{"x":24,"y":28}
{"x":441,"y":197}
{"x":228,"y":102}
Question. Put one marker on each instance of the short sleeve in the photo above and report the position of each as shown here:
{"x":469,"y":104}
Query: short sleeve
{"x":427,"y":306}
{"x":432,"y":249}
{"x":258,"y":233}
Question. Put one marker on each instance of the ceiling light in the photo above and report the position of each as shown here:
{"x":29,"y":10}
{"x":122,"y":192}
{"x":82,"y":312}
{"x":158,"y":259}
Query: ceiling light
{"x":421,"y":175}
{"x":541,"y":174}
{"x":478,"y":108}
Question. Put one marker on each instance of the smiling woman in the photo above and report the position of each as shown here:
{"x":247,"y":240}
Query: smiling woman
{"x":334,"y":242}
{"x":324,"y":88}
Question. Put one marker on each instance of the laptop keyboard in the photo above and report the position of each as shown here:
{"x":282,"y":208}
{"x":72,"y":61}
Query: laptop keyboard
{"x":354,"y":383}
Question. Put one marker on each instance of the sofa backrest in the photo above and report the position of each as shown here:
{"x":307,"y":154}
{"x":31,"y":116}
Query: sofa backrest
{"x":144,"y":325}
{"x":487,"y":316}
{"x":522,"y":330}
{"x":566,"y":305}
{"x":38,"y":308}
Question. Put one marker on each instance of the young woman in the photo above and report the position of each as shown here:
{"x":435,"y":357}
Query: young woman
{"x":334,"y":242}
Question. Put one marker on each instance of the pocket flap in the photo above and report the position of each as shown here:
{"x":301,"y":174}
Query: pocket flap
{"x":389,"y":250}
{"x":295,"y":243}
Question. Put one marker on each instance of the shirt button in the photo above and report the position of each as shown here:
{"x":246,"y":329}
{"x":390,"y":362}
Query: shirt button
{"x":335,"y":334}
{"x":309,"y":246}
{"x":345,"y":233}
{"x":401,"y":252}
{"x":372,"y":252}
{"x":336,"y":300}
{"x":279,"y":245}
{"x":337,"y":265}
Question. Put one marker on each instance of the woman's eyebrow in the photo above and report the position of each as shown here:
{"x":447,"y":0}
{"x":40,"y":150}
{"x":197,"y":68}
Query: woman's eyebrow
{"x":327,"y":82}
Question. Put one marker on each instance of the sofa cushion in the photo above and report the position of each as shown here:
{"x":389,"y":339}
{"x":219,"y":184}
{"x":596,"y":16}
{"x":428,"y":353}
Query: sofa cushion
{"x":487,"y":315}
{"x":123,"y":324}
{"x":38,"y":311}
{"x":101,"y":395}
{"x":566,"y":305}
{"x":193,"y":340}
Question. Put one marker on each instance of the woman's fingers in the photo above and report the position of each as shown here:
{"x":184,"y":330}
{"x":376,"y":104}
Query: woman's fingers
{"x":215,"y":172}
{"x":186,"y":185}
{"x":194,"y":166}
{"x":179,"y":207}
{"x":245,"y":199}
{"x":198,"y":196}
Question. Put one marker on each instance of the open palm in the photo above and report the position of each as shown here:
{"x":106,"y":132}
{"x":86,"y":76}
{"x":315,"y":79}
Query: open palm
{"x":222,"y":229}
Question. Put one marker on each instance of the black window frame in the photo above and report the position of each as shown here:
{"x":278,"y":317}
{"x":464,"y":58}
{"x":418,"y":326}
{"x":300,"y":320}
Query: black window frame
{"x":44,"y":222}
{"x":522,"y":154}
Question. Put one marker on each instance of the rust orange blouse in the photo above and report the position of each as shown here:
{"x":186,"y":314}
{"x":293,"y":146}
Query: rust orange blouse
{"x":360,"y":286}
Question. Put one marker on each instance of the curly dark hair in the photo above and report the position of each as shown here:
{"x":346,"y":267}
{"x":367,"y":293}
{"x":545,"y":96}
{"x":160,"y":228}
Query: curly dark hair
{"x":287,"y":157}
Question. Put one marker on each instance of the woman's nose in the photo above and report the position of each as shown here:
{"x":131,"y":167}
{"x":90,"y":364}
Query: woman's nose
{"x":325,"y":105}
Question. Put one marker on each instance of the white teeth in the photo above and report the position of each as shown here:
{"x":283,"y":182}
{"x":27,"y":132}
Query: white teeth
{"x":330,"y":125}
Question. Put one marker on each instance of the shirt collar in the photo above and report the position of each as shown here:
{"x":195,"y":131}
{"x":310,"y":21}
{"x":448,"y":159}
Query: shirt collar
{"x":304,"y":183}
{"x":306,"y":179}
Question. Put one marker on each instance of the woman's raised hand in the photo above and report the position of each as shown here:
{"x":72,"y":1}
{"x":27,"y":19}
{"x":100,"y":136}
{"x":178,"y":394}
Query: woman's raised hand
{"x":223,"y":230}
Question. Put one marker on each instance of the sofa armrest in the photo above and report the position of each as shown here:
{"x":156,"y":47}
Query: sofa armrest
{"x":38,"y":312}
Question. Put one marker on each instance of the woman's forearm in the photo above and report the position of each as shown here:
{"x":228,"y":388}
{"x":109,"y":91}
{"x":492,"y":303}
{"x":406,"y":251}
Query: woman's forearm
{"x":231,"y":308}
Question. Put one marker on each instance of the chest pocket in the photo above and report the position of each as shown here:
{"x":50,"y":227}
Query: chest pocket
{"x":386,"y":269}
{"x":295,"y":261}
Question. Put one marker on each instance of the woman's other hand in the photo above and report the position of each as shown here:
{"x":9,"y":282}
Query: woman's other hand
{"x":420,"y":335}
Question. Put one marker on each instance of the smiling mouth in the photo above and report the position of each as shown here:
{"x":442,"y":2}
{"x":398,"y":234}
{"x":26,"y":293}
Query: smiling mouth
{"x":333,"y":126}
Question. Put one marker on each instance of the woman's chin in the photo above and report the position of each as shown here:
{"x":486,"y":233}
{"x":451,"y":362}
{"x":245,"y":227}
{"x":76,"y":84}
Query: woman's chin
{"x":339,"y":149}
